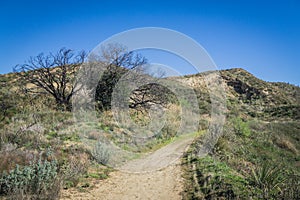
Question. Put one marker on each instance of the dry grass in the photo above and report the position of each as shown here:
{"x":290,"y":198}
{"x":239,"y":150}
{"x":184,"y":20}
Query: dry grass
{"x":286,"y":144}
{"x":11,"y":158}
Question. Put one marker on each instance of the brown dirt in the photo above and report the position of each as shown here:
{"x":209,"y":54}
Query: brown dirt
{"x":157,"y":176}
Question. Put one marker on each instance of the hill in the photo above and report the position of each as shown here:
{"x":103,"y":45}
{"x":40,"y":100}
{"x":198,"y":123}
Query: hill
{"x":258,"y":155}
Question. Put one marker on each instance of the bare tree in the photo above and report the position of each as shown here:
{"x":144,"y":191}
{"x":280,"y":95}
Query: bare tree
{"x":53,"y":74}
{"x":117,"y":61}
{"x":151,"y":94}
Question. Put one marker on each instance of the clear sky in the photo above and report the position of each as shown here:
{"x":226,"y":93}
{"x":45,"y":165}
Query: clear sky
{"x":262,"y":37}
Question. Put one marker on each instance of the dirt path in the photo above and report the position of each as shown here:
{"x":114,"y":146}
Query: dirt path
{"x":157,"y":176}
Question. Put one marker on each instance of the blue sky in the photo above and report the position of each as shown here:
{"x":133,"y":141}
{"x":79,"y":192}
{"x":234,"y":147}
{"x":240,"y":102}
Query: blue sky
{"x":262,"y":37}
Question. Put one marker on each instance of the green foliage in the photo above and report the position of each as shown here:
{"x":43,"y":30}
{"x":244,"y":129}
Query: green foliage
{"x":269,"y":179}
{"x":70,"y":137}
{"x":8,"y":105}
{"x":291,"y":188}
{"x":39,"y":180}
{"x":117,"y":60}
{"x":237,"y":169}
{"x":258,"y":166}
{"x":106,"y":85}
{"x":218,"y":180}
{"x":241,"y":128}
{"x":101,"y":176}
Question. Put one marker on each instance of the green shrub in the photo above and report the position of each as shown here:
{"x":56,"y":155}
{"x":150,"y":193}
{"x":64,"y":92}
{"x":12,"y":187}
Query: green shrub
{"x":241,"y":128}
{"x":101,"y":153}
{"x":269,"y":179}
{"x":39,"y":180}
{"x":221,"y":174}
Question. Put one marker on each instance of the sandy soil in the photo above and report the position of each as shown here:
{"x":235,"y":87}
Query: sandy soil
{"x":156,"y":176}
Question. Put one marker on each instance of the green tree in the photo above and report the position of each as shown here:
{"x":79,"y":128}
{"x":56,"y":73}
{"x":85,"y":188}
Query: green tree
{"x":117,"y":60}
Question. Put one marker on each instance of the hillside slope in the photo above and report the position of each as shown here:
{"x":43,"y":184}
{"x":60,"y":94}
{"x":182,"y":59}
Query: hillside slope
{"x":261,"y":135}
{"x":258,"y":155}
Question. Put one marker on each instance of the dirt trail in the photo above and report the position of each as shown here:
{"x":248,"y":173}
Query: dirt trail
{"x":157,"y":176}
